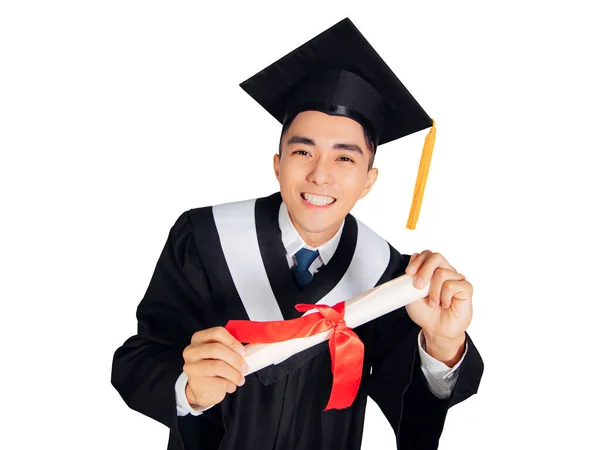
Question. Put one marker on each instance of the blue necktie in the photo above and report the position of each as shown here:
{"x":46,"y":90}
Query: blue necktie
{"x":304,"y":258}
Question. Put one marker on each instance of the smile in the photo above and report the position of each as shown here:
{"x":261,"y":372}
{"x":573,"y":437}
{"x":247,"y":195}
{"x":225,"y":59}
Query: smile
{"x":317,"y":200}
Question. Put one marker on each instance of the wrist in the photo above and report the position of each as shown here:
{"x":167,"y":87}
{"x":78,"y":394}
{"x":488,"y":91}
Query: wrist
{"x":447,"y":351}
{"x":191,"y":399}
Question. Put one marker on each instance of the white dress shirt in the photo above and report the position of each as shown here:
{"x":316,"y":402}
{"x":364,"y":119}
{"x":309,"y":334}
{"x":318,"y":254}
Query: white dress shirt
{"x":440,"y":378}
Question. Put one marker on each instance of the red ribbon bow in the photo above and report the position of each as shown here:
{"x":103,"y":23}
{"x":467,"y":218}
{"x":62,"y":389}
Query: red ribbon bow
{"x":346,"y":348}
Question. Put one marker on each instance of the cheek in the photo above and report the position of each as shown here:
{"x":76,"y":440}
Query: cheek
{"x":353,"y":184}
{"x":290,"y":174}
{"x":286,"y":180}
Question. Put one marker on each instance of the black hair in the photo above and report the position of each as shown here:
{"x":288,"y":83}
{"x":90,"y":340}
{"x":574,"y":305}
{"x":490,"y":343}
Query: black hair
{"x":368,"y":139}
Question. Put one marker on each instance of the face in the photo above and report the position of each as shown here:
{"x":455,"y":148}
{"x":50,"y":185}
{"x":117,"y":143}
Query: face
{"x":322,"y":172}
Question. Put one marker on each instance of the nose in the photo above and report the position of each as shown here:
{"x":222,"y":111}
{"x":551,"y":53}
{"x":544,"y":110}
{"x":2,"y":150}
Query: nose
{"x":320,"y":174}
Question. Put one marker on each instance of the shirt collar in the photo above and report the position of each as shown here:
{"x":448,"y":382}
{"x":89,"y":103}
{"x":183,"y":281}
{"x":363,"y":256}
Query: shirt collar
{"x":293,"y":242}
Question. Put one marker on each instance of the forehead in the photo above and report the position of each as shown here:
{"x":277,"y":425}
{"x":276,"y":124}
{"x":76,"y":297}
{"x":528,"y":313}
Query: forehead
{"x":316,"y":124}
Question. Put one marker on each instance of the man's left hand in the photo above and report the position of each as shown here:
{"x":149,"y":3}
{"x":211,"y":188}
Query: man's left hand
{"x":446,"y":312}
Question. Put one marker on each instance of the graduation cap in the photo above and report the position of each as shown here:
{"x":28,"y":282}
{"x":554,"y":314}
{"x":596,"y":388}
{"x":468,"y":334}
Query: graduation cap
{"x":339,"y":73}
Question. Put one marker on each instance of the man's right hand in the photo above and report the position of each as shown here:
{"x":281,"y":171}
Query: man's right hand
{"x":214,"y":365}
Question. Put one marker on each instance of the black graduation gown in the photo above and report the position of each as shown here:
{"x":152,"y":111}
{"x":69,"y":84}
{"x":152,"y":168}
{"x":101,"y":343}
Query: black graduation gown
{"x":279,"y":407}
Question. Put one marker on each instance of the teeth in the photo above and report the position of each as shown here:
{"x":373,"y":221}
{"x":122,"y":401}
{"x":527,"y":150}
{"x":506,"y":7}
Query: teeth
{"x":318,"y":200}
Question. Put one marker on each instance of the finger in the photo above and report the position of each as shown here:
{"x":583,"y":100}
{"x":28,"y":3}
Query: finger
{"x":455,"y":290}
{"x":440,"y":276}
{"x":214,"y":350}
{"x":217,"y":385}
{"x":219,"y":334}
{"x":211,"y":390}
{"x":210,"y":397}
{"x":433,"y":262}
{"x":216,"y":368}
{"x":410,"y":268}
{"x":416,"y":260}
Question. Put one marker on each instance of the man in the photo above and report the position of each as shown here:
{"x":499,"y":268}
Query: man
{"x":257,"y":259}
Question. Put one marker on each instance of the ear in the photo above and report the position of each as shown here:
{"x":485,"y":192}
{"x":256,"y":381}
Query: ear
{"x":371,"y":179}
{"x":276,"y":161}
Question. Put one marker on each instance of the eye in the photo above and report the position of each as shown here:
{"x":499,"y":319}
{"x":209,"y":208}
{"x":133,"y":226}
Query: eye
{"x":345,"y":158}
{"x":302,"y":152}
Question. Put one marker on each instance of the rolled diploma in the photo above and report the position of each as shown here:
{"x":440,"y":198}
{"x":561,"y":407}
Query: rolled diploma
{"x":361,"y":309}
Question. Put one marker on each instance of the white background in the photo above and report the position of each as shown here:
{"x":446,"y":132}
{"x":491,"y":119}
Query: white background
{"x":117,"y":116}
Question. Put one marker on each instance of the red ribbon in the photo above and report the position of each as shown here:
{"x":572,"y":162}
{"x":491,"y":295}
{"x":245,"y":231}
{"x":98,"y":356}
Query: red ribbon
{"x":346,"y":348}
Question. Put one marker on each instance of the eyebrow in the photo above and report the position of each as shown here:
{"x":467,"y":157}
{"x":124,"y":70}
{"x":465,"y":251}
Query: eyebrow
{"x":308,"y":141}
{"x":300,"y":140}
{"x":348,"y":147}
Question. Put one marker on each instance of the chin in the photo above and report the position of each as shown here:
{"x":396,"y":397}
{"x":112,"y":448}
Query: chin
{"x":317,"y":223}
{"x":312,"y":227}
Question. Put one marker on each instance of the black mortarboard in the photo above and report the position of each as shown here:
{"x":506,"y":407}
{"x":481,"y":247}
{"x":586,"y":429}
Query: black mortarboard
{"x":338,"y":72}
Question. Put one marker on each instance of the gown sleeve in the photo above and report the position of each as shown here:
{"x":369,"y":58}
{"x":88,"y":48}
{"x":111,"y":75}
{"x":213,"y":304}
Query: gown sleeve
{"x":175,"y":306}
{"x":397,"y":383}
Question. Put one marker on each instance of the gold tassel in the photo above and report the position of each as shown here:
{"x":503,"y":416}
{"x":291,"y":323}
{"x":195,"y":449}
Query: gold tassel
{"x":415,"y":208}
